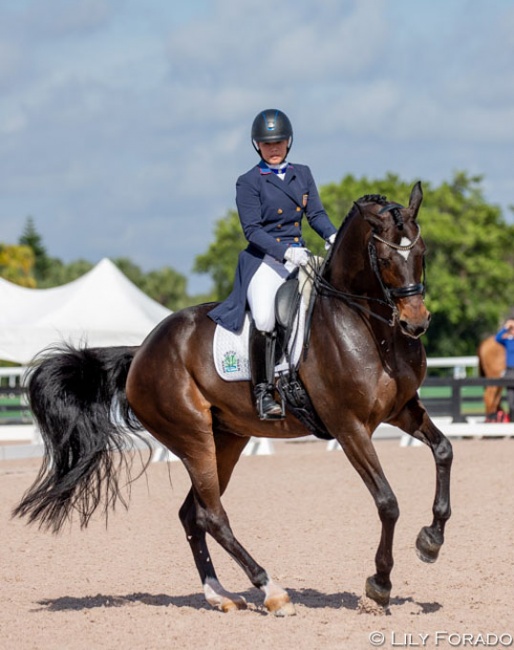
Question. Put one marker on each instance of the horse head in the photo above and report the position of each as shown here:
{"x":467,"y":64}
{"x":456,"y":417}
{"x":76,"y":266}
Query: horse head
{"x":379,"y":255}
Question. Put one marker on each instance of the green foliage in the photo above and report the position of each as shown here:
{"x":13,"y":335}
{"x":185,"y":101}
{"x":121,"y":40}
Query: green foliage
{"x":16,"y":265}
{"x":470,"y":254}
{"x":470,"y":258}
{"x":59,"y":273}
{"x":220,"y":260}
{"x":32,"y":239}
{"x":166,"y":286}
{"x":470,"y":265}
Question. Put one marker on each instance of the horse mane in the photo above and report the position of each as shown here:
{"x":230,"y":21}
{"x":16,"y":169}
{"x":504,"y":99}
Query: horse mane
{"x":381,"y":199}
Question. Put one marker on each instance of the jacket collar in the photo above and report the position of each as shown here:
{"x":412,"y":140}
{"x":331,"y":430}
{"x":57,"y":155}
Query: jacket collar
{"x":264,"y":169}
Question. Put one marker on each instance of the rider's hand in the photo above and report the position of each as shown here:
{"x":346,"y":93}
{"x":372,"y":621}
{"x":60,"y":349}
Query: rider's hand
{"x":330,"y":241}
{"x":297,"y":255}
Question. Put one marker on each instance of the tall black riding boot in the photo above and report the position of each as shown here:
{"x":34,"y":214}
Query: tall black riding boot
{"x":262,"y":365}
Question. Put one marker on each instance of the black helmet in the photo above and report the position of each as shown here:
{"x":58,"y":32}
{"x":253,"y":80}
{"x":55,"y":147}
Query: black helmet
{"x":271,"y":125}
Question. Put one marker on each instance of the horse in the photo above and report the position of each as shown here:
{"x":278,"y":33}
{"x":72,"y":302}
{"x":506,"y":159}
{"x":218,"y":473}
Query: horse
{"x":362,"y":364}
{"x":492,"y":364}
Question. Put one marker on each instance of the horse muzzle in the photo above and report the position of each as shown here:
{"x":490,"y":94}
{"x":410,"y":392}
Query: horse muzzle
{"x":413,"y":316}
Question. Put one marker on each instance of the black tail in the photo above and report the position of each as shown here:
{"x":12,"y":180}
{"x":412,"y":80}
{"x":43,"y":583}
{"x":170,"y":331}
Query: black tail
{"x":78,"y":399}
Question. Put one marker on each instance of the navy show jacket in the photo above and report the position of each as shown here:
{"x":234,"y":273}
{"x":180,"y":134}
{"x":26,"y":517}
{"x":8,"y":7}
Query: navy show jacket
{"x":271,"y":211}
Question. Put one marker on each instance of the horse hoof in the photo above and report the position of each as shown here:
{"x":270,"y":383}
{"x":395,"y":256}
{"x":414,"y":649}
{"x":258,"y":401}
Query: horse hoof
{"x":222,"y":599}
{"x":287,"y":609}
{"x":377,"y":593}
{"x":368,"y":606}
{"x":280,"y":606}
{"x":427,"y":548}
{"x":232,"y":605}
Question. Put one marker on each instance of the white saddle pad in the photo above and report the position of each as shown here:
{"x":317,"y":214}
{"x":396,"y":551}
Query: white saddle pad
{"x":230,"y":350}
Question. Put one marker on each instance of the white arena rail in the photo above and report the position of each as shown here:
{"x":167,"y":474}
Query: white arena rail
{"x":475,"y":427}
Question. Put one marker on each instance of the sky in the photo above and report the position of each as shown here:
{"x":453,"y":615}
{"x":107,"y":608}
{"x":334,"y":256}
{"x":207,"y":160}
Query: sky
{"x":125,"y":124}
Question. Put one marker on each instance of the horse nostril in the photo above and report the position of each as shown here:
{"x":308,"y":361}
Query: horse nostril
{"x":414,"y":330}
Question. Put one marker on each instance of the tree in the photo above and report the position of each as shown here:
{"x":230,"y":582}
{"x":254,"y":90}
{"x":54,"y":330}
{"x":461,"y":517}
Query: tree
{"x":470,"y":254}
{"x":59,"y":273}
{"x":166,"y":286}
{"x":470,"y":265}
{"x":220,"y":260}
{"x":16,"y":265}
{"x":31,"y":238}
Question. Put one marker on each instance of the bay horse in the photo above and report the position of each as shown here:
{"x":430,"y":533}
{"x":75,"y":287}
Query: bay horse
{"x":363,"y":365}
{"x":492,"y":364}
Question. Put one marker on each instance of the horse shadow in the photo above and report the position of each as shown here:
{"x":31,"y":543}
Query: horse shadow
{"x":309,"y":598}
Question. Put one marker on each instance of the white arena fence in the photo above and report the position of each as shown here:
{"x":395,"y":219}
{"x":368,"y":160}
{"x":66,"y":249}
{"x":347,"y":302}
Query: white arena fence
{"x":32,"y":447}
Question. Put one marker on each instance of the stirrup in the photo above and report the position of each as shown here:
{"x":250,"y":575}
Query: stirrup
{"x":267,"y":408}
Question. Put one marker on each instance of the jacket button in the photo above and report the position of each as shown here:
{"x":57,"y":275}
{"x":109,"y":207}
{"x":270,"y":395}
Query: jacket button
{"x":298,"y":208}
{"x":278,"y":238}
{"x":296,"y":239}
{"x":279,"y":225}
{"x":279,"y":211}
{"x":296,"y":224}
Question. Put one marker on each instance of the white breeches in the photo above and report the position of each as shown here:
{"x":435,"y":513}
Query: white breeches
{"x":261,"y":297}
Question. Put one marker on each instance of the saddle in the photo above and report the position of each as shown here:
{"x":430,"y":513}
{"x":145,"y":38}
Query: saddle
{"x":230,"y":350}
{"x":290,"y":388}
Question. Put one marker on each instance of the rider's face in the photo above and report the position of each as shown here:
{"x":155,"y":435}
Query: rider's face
{"x":273,"y":152}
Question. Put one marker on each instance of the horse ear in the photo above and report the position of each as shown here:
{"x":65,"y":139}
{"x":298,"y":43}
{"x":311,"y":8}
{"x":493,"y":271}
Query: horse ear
{"x":416,"y":197}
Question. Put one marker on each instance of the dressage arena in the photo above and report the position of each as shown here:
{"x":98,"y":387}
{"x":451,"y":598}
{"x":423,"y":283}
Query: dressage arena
{"x":306,"y":516}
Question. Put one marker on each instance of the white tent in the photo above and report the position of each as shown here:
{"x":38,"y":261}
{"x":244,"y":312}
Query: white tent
{"x":101,"y":308}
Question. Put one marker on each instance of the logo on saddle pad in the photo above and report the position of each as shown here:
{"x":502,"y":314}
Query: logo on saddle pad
{"x":230,"y":362}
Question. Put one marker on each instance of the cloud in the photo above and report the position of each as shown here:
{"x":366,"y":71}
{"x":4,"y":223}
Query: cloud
{"x":123,"y":130}
{"x":61,"y":18}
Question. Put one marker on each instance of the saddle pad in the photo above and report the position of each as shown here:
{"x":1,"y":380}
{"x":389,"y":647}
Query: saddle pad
{"x":230,"y":351}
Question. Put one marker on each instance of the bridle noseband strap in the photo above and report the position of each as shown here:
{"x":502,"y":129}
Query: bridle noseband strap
{"x":409,"y":290}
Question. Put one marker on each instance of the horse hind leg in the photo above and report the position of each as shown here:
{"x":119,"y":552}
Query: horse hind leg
{"x":215,"y":594}
{"x":203,"y":513}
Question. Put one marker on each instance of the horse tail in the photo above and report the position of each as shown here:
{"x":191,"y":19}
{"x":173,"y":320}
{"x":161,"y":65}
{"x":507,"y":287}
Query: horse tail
{"x":79,"y":402}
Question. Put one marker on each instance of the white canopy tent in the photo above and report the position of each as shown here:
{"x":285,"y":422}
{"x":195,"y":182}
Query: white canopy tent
{"x":100,"y":309}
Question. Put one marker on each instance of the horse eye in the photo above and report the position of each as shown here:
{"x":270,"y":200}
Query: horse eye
{"x":383,"y":261}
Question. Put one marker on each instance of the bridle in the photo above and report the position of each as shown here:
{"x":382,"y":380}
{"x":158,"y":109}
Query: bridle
{"x":412,"y":289}
{"x":323,"y":287}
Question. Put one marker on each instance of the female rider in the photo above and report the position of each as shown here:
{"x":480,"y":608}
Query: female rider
{"x":271,"y":200}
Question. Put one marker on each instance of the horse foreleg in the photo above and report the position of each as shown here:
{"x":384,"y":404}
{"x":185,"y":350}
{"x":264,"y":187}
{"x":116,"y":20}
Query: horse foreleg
{"x":203,"y":513}
{"x":362,"y":455}
{"x":415,"y":421}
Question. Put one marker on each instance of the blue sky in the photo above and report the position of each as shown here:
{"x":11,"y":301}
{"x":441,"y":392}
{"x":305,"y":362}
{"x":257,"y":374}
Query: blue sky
{"x":124,"y":124}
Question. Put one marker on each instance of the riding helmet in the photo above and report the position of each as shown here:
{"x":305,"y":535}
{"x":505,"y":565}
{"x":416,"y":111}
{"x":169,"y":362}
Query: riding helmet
{"x":271,"y":125}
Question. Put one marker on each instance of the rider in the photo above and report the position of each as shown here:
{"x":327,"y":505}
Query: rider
{"x":271,"y":199}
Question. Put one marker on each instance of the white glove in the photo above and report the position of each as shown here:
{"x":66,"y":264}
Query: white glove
{"x":297,"y":255}
{"x":330,"y":241}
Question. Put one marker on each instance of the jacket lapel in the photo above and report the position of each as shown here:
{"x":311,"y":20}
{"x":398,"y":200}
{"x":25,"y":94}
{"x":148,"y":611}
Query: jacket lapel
{"x":284,"y":185}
